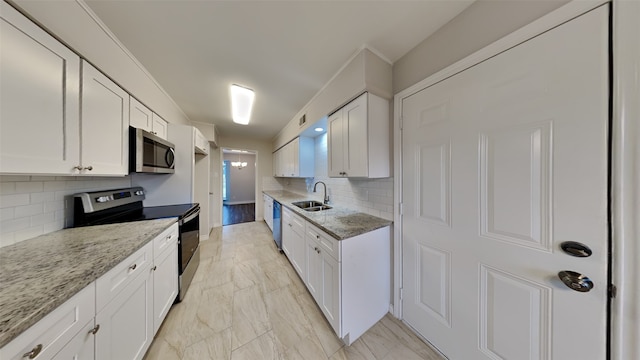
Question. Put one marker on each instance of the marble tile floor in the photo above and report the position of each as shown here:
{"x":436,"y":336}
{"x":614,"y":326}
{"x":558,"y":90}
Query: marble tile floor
{"x":247,"y":302}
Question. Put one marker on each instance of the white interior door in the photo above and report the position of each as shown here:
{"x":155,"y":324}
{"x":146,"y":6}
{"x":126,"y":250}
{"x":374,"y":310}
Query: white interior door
{"x":502,"y":163}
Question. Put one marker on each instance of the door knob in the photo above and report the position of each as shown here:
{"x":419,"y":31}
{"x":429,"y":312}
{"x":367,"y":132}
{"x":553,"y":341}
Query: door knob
{"x":575,"y":281}
{"x":576,"y":249}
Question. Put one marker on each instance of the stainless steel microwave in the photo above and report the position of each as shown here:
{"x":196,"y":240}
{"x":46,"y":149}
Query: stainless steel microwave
{"x":149,"y":153}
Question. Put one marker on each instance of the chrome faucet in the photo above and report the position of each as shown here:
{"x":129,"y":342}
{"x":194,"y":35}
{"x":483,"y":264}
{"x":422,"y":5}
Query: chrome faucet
{"x":326,"y":197}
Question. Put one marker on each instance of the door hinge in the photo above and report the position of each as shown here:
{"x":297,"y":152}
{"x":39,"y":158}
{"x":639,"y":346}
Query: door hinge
{"x":401,"y":293}
{"x":613,"y":291}
{"x":400,"y":209}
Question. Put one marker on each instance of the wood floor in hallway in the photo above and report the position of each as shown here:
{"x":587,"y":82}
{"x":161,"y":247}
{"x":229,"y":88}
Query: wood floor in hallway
{"x":239,"y":213}
{"x":247,"y":302}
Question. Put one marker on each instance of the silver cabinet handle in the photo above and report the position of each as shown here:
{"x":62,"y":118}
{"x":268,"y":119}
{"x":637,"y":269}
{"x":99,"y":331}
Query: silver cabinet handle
{"x":133,"y":267}
{"x":95,"y":329}
{"x":34,"y":352}
{"x":154,"y":267}
{"x":78,"y":167}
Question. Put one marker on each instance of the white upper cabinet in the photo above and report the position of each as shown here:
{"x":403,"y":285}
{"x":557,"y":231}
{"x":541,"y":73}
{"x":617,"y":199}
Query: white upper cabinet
{"x":39,"y":106}
{"x":142,"y":117}
{"x":47,"y":125}
{"x":200,"y":143}
{"x":105,"y":124}
{"x":359,"y":139}
{"x":160,"y":126}
{"x":295,"y":159}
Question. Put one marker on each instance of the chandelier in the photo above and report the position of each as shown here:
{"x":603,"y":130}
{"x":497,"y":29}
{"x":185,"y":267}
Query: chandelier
{"x":239,"y":164}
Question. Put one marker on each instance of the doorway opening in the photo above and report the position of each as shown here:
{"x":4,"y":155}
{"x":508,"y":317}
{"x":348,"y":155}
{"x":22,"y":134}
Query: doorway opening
{"x":238,"y":186}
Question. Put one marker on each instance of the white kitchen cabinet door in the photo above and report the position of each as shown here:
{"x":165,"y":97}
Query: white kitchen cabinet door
{"x":160,"y":126}
{"x":358,"y":139}
{"x":335,"y":144}
{"x":140,"y":116}
{"x":200,"y":142}
{"x":287,"y":232}
{"x":105,"y":125}
{"x":165,"y":284}
{"x":126,"y":323}
{"x":276,"y":163}
{"x":39,"y":106}
{"x":314,"y":263}
{"x":330,"y":288}
{"x":298,"y":246}
{"x":295,"y":159}
{"x":81,"y":347}
{"x":268,"y":211}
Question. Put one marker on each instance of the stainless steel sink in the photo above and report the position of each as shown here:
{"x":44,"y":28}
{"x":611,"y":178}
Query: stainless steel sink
{"x":311,"y":205}
{"x":317,"y":208}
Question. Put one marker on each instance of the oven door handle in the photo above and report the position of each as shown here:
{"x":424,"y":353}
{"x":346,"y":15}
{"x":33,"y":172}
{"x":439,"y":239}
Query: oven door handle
{"x":189,"y":218}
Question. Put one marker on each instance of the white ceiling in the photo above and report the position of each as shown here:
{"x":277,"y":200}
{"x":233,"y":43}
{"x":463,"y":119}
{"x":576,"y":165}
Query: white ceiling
{"x":284,"y":50}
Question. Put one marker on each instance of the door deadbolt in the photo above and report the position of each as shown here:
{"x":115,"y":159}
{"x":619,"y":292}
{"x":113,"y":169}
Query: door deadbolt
{"x":576,"y":249}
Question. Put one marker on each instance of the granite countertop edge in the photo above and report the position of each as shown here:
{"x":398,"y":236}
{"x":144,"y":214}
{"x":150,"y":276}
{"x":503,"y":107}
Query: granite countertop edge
{"x":340,"y":222}
{"x":30,"y":290}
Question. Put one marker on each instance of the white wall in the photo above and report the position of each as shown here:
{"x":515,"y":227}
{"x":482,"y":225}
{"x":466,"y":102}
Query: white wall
{"x":371,"y":196}
{"x":242,"y":182}
{"x":35,"y":205}
{"x":479,"y":25}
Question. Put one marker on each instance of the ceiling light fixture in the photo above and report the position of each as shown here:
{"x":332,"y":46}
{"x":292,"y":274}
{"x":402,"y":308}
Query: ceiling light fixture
{"x":241,"y":104}
{"x":318,"y":129}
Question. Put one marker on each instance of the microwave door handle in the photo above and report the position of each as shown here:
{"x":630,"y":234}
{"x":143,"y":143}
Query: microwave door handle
{"x":173,"y":157}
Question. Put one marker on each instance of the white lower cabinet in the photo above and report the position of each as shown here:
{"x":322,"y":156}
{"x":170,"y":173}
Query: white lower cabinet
{"x":268,"y":210}
{"x":349,"y":279}
{"x":114,"y":317}
{"x":165,"y":274}
{"x":323,"y":281}
{"x":293,"y":243}
{"x":126,"y":326}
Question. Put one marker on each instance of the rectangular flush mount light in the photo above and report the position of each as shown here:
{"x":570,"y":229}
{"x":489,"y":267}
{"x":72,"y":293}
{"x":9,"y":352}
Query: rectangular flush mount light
{"x":241,"y":104}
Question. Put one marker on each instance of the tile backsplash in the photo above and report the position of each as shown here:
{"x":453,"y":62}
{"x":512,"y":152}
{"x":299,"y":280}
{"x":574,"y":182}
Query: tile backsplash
{"x":371,"y":196}
{"x":36,"y":205}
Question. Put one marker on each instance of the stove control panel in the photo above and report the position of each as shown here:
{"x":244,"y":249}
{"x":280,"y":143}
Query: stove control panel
{"x":101,"y":200}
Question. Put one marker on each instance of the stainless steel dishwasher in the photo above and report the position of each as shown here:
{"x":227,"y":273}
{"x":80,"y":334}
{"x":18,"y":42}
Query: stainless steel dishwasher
{"x":277,"y":224}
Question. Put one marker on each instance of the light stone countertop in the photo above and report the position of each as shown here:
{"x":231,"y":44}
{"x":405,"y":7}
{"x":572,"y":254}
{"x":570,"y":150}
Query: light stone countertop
{"x":40,"y":274}
{"x":339,"y":222}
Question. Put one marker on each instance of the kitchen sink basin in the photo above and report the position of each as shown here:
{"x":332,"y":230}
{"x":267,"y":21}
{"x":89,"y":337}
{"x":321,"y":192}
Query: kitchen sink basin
{"x":317,"y":208}
{"x":311,"y":205}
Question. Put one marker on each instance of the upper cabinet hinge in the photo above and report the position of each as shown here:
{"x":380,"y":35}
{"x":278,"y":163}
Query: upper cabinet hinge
{"x":401,"y":293}
{"x":613,"y":291}
{"x":401,"y":122}
{"x":400,"y":209}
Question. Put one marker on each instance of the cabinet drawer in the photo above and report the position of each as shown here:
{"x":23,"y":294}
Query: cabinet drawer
{"x":330,"y":245}
{"x":111,"y":283}
{"x":55,"y":330}
{"x":165,"y":241}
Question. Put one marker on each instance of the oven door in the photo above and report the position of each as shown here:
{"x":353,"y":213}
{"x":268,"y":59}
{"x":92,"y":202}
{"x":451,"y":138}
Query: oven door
{"x":189,"y":238}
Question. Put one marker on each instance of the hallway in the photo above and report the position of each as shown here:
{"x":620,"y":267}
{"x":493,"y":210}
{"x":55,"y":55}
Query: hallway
{"x":247,"y":302}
